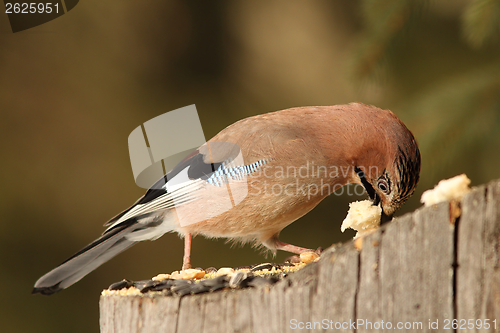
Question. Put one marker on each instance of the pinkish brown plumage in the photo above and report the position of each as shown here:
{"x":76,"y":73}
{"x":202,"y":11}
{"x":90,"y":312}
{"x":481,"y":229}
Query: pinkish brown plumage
{"x":290,"y":160}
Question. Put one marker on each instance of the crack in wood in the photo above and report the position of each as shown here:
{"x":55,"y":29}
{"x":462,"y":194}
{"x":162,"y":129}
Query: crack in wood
{"x":456,"y":224}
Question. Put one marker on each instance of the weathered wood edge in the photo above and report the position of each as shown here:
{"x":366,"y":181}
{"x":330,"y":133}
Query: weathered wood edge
{"x":477,"y":282}
{"x":422,"y":267}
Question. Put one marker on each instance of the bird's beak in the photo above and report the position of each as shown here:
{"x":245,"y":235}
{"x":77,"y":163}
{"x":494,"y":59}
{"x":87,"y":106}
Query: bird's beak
{"x":385,"y":218}
{"x":374,"y":197}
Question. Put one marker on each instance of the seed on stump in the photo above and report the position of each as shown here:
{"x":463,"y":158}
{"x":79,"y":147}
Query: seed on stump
{"x":308,"y":257}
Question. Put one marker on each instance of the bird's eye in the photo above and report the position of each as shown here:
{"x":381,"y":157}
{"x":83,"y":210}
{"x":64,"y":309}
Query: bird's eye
{"x":383,"y":186}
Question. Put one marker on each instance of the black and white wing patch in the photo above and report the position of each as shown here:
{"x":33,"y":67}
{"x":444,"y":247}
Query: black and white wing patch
{"x":181,"y":184}
{"x":227,"y":172}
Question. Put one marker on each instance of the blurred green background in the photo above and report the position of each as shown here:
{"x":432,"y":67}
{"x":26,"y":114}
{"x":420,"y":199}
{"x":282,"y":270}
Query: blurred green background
{"x":72,"y":90}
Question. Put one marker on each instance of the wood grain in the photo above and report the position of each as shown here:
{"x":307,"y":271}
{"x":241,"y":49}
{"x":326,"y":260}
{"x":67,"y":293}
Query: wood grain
{"x":422,"y":267}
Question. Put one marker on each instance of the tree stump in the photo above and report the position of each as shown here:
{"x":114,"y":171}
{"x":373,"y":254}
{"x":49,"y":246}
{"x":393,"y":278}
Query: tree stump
{"x":425,"y":271}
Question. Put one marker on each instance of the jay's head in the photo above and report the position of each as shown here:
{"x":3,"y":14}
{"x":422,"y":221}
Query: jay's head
{"x":392,"y":168}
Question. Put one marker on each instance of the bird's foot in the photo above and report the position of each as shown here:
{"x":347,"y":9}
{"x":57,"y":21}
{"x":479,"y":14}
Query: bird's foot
{"x":186,"y":262}
{"x":291,"y":248}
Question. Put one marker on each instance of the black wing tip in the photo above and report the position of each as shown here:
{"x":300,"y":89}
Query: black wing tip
{"x":47,"y":291}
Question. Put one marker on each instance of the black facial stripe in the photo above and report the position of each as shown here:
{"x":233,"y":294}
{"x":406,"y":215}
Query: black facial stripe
{"x":368,"y":187}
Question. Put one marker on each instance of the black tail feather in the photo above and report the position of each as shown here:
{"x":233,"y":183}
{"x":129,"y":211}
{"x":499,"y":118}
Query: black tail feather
{"x":86,"y":260}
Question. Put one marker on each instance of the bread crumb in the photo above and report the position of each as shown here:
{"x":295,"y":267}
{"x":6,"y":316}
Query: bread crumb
{"x":193,"y":274}
{"x":363,"y":216}
{"x":225,"y":271}
{"x":161,"y":277}
{"x":187,"y":274}
{"x":308,"y":257}
{"x":358,"y":244}
{"x":446,"y":190}
{"x":132,"y":291}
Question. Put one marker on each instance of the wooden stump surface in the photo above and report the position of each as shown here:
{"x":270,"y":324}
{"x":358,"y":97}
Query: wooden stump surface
{"x":426,"y":271}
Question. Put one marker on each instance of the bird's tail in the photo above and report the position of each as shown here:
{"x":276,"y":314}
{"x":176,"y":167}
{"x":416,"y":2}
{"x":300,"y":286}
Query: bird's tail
{"x":111,"y":243}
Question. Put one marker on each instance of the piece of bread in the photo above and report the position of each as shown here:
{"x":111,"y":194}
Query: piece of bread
{"x":446,"y":190}
{"x":363,"y":216}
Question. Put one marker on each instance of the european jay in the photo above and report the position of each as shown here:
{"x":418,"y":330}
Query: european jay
{"x":259,"y":175}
